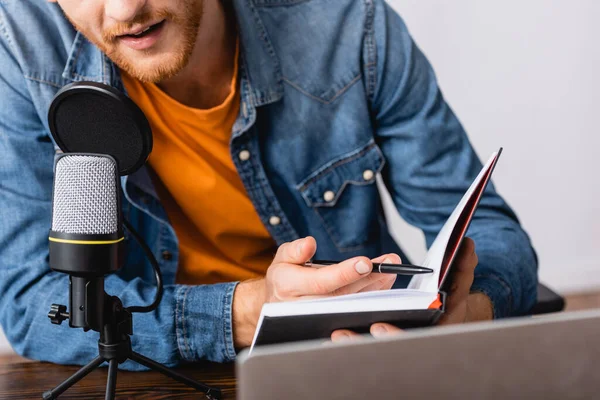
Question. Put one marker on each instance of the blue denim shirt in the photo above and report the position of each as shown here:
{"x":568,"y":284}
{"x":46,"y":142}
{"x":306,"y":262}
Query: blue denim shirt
{"x":329,"y":89}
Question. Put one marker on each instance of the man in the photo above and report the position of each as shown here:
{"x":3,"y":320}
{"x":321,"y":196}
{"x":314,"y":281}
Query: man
{"x":271,"y":120}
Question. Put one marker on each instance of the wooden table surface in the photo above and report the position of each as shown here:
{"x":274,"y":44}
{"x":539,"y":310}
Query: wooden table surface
{"x":23,"y":379}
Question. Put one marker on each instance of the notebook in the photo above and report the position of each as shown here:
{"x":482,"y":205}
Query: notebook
{"x":422,"y":303}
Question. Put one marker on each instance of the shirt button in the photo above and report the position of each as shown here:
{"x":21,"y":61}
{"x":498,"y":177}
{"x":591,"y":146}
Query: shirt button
{"x":328,"y":196}
{"x":167,"y":256}
{"x":368,"y":175}
{"x":244,"y":155}
{"x":274,"y":220}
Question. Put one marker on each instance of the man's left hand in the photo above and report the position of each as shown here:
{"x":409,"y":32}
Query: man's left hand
{"x":461,"y":304}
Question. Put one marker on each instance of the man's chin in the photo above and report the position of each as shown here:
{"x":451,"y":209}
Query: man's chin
{"x":150,"y":68}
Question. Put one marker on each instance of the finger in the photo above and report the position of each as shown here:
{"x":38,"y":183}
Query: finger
{"x":390,"y":258}
{"x":466,"y":262}
{"x":374,"y":281}
{"x":463,"y":273}
{"x":385,"y":282}
{"x":296,"y":280}
{"x":329,"y":279}
{"x":467,"y":257}
{"x":296,"y":252}
{"x":381,"y":329}
{"x":342,"y":335}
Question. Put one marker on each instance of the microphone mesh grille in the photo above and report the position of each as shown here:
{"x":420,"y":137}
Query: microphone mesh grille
{"x":85,"y":195}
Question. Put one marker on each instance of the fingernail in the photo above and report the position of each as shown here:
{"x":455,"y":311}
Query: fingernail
{"x":387,"y":261}
{"x":379,"y":330}
{"x":362,"y":267}
{"x":299,"y":248}
{"x":341,"y":337}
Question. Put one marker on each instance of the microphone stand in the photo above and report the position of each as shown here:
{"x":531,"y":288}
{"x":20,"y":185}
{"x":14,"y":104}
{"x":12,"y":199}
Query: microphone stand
{"x":92,"y":308}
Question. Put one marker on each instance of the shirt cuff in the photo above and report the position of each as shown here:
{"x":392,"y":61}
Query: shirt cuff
{"x":498,"y":292}
{"x":203,"y":322}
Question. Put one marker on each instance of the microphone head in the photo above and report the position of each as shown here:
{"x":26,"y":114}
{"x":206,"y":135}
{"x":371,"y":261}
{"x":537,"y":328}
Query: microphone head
{"x":86,"y":195}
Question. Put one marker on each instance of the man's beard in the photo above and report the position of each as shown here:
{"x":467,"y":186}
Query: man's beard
{"x":168,"y":62}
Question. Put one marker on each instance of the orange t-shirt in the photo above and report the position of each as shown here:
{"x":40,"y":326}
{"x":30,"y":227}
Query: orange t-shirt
{"x":221,"y":237}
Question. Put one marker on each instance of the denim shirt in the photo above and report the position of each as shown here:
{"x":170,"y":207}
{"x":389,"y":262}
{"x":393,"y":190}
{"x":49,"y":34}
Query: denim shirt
{"x":329,"y":90}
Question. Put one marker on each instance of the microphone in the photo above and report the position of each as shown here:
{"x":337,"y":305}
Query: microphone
{"x":86,"y":238}
{"x":103,"y":135}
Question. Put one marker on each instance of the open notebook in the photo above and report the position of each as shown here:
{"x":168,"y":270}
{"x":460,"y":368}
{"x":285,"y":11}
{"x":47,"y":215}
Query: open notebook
{"x":420,"y":304}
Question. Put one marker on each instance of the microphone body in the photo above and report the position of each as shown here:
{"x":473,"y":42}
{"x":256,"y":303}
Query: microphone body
{"x":86,"y":238}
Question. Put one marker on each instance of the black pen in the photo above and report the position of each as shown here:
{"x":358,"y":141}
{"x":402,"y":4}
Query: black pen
{"x":381,"y":268}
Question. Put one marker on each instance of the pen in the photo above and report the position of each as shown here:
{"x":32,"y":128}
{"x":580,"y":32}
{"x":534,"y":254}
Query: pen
{"x":398,"y":269}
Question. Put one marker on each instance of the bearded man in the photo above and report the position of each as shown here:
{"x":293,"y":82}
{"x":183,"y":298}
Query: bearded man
{"x":271,"y":120}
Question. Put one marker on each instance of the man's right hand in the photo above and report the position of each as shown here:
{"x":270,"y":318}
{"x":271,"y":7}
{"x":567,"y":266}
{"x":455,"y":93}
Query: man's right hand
{"x":287,"y":279}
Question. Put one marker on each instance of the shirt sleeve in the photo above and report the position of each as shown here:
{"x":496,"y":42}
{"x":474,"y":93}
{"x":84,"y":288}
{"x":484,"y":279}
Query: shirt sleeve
{"x":431,"y":164}
{"x":191,"y":323}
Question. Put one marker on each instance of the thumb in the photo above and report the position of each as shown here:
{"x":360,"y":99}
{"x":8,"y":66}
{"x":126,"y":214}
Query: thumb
{"x":296,"y":252}
{"x":463,"y":272}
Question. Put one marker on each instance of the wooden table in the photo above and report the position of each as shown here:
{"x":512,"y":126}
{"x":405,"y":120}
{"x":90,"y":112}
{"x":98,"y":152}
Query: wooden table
{"x":24,"y":379}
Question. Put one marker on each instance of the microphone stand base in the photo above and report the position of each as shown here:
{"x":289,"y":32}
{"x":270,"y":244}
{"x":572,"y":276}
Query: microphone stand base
{"x":114,"y":347}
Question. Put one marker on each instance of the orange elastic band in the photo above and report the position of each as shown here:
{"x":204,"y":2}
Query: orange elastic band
{"x":437,"y":304}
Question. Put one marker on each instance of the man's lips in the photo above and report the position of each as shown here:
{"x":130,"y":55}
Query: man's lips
{"x":146,"y":38}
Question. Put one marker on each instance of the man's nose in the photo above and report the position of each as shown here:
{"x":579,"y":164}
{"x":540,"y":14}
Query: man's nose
{"x":123,"y":10}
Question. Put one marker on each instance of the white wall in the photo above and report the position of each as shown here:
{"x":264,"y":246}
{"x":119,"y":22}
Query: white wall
{"x":523,"y":75}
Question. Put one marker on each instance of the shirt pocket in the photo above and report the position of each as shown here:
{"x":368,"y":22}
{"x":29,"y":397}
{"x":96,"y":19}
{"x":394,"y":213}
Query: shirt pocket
{"x":343,"y":193}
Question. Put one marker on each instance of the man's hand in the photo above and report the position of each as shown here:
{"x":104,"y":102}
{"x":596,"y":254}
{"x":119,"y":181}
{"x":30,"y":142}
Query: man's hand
{"x":461,"y":305}
{"x":287,"y":280}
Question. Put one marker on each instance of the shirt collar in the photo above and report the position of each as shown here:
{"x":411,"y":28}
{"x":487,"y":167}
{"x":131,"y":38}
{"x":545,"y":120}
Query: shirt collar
{"x":87,"y":63}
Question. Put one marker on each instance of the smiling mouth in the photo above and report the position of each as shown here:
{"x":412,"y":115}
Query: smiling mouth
{"x":146,"y":31}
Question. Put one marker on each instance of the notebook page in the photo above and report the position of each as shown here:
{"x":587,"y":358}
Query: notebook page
{"x":435,"y":255}
{"x":393,"y":300}
{"x":375,"y":294}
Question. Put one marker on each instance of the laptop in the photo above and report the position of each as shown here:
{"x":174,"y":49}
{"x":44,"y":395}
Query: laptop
{"x":554,"y":356}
